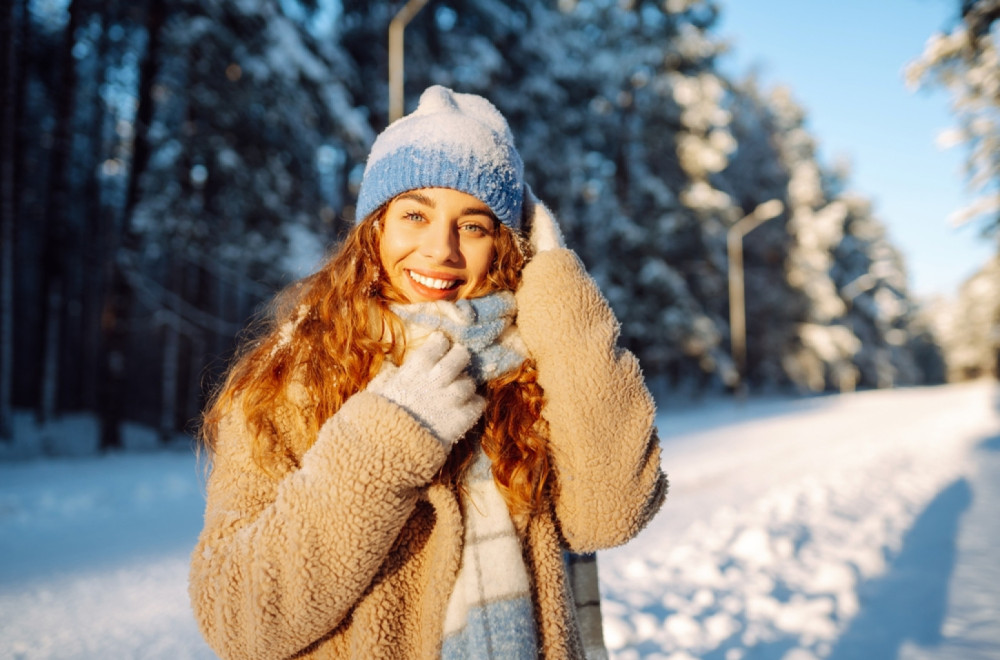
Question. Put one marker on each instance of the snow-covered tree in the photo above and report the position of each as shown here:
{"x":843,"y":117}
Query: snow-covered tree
{"x":968,"y":327}
{"x":212,"y":151}
{"x":848,"y":317}
{"x":250,"y":135}
{"x":966,"y":62}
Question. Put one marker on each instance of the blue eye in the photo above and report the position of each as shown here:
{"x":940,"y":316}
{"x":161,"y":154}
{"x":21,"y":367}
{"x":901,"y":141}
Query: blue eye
{"x":474,"y":229}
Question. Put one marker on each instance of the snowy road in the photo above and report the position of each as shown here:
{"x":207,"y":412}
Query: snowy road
{"x":860,"y":526}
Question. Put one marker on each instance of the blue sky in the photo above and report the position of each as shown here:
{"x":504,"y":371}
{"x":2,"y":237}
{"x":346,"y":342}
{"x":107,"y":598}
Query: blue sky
{"x":844,"y":63}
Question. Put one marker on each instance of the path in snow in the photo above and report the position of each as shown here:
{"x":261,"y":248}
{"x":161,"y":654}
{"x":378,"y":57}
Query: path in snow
{"x":844,"y":527}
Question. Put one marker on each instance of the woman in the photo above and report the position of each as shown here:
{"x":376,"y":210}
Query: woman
{"x":401,"y":462}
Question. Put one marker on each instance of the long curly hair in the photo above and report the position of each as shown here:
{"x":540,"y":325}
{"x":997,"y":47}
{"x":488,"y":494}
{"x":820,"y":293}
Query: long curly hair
{"x":324,"y":337}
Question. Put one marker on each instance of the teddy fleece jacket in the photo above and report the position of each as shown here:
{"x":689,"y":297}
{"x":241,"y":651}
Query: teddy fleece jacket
{"x":354,"y":553}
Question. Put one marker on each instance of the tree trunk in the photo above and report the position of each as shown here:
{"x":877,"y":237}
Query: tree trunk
{"x":54,"y":229}
{"x":112,"y":367}
{"x":118,"y":300}
{"x":8,"y":75}
{"x":49,"y":399}
{"x":148,"y":67}
{"x":196,"y":375}
{"x":171,"y":366}
{"x":197,"y":290}
{"x":98,"y":226}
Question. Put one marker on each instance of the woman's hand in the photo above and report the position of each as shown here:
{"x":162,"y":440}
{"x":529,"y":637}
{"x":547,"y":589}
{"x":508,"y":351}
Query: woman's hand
{"x":432,"y":385}
{"x":543,"y":231}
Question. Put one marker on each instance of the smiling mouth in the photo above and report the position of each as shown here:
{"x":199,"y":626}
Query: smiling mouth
{"x":433,"y":282}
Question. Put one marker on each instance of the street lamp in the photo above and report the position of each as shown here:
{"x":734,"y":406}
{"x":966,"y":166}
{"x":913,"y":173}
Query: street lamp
{"x":737,"y":305}
{"x":396,"y":27}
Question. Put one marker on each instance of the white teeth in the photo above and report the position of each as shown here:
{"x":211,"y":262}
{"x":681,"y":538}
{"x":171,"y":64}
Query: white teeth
{"x":433,"y":282}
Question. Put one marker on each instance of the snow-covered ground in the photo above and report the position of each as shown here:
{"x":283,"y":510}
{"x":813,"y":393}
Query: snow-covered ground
{"x":861,"y":526}
{"x":856,"y":526}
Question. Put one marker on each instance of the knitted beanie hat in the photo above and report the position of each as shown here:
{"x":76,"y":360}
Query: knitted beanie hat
{"x":457,"y":141}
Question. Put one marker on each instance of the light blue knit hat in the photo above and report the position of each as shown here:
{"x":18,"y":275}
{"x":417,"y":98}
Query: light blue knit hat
{"x":458,"y":141}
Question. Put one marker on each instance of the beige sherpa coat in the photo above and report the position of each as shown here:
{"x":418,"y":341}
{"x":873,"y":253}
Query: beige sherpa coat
{"x":354,"y":555}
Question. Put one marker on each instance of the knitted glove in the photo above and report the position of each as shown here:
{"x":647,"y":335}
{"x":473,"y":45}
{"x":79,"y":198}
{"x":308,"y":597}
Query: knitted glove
{"x":431,"y":385}
{"x":543,"y":232}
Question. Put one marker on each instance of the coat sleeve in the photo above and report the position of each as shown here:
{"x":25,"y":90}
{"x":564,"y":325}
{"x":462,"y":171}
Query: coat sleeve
{"x":603,"y":444}
{"x":280,"y":562}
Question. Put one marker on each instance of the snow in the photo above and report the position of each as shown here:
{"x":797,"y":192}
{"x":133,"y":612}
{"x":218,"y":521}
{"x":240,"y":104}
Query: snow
{"x":95,"y":557}
{"x":850,"y":526}
{"x":799,"y":529}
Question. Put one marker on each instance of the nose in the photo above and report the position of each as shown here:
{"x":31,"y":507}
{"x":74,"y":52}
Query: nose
{"x":441,"y":243}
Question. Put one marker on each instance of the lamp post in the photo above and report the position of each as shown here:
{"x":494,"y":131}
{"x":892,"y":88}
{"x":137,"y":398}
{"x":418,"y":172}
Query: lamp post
{"x":737,"y":305}
{"x":396,"y":28}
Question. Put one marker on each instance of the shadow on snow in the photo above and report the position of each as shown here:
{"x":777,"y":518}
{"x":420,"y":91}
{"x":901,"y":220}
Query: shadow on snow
{"x":909,"y":602}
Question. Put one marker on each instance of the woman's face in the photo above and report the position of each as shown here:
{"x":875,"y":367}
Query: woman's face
{"x":437,"y":244}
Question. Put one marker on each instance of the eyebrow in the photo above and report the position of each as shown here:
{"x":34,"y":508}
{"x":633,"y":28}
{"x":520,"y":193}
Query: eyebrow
{"x":471,"y":210}
{"x":417,"y":197}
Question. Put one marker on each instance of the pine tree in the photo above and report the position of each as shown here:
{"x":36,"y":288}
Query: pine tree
{"x":966,"y":62}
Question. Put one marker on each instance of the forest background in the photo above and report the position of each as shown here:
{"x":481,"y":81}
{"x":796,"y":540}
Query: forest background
{"x":167,"y":165}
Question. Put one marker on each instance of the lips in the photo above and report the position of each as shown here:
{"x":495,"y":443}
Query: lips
{"x":434,"y":282}
{"x":436,"y":287}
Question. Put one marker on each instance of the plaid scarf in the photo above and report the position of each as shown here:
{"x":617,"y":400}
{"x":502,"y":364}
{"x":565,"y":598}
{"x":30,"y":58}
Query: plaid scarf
{"x":490,"y":613}
{"x":483,"y":325}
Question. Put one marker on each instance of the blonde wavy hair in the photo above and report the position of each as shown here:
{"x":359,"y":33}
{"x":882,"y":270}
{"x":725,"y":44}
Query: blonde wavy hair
{"x":320,"y":333}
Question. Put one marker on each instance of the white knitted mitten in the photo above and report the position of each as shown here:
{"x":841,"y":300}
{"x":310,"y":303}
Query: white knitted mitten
{"x":543,"y":231}
{"x":432,"y":385}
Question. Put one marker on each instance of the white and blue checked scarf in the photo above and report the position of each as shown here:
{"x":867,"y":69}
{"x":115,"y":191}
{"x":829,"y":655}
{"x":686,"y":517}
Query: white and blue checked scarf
{"x":483,"y":325}
{"x":490,"y":613}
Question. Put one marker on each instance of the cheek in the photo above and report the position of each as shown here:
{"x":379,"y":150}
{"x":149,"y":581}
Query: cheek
{"x":383,"y":256}
{"x":479,"y":261}
{"x":390,"y":250}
